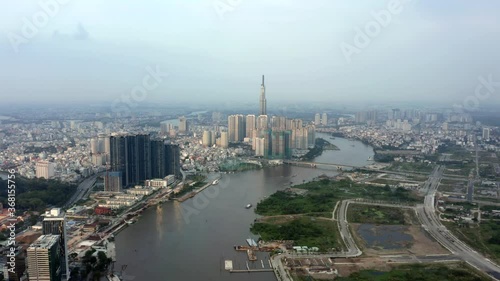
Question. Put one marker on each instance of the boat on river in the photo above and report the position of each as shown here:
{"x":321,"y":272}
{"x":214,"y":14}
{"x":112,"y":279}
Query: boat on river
{"x":248,"y":206}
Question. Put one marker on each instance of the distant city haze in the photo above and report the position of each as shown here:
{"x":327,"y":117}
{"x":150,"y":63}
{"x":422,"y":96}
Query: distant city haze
{"x":97,"y":51}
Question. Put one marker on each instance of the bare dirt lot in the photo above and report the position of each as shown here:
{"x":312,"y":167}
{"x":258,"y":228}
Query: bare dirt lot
{"x":346,"y":267}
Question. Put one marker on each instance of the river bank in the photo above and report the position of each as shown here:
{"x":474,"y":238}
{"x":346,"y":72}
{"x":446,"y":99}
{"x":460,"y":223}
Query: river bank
{"x":203,"y":230}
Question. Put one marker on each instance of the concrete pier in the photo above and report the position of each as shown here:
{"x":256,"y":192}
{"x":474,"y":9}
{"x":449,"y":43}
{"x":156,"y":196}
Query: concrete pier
{"x":251,"y":270}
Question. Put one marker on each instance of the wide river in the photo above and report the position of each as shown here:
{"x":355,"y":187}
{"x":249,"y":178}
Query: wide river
{"x":190,"y":240}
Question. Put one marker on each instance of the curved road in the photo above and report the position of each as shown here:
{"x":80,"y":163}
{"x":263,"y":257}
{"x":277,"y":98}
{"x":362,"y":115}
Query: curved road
{"x":431,"y":223}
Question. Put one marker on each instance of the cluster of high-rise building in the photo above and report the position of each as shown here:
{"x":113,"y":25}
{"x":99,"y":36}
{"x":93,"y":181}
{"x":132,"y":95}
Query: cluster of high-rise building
{"x":321,"y":119}
{"x":211,"y":138}
{"x":369,"y":117}
{"x":100,"y":147}
{"x":137,"y":158}
{"x":271,"y":137}
{"x":47,"y":257}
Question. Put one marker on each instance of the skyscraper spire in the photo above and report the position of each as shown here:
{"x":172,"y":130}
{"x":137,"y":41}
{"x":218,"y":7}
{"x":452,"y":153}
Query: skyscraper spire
{"x":263,"y":104}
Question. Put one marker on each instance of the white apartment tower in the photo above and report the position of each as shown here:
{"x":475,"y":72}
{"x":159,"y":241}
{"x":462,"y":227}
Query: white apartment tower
{"x":45,"y":169}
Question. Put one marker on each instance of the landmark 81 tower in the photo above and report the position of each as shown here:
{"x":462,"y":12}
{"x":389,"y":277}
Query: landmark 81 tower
{"x":263,"y":105}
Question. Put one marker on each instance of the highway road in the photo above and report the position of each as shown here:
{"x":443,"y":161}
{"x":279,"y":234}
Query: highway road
{"x":81,"y":190}
{"x":431,"y":223}
{"x":470,"y":186}
{"x":470,"y":190}
{"x":405,"y":173}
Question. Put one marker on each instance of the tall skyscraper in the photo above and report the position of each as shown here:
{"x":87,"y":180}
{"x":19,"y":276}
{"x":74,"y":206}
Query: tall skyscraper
{"x":278,"y":123}
{"x":317,"y":119}
{"x":173,"y":160}
{"x":102,"y":142}
{"x":263,"y":102}
{"x":236,"y":127}
{"x":250,"y":125}
{"x":486,"y":133}
{"x":299,"y":138}
{"x":280,"y":145}
{"x":324,"y":119}
{"x":139,"y":158}
{"x":366,"y":116}
{"x":224,"y":142}
{"x":262,"y":121}
{"x":117,"y":155}
{"x":158,"y":159}
{"x":231,"y":127}
{"x":259,"y":146}
{"x":94,"y":145}
{"x":113,"y":182}
{"x":207,"y":138}
{"x":107,"y":149}
{"x":44,"y":261}
{"x":131,"y":155}
{"x":311,"y":135}
{"x":54,"y":223}
{"x":183,"y":125}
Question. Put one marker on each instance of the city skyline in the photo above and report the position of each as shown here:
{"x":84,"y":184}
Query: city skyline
{"x":142,"y":141}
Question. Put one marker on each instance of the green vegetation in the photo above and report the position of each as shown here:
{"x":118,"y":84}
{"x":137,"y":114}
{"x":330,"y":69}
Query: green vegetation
{"x":237,"y":166}
{"x":37,"y":194}
{"x":319,"y":145}
{"x":326,"y":144}
{"x":322,"y":196}
{"x":198,"y":180}
{"x":313,"y":201}
{"x":484,"y":237}
{"x":358,"y":213}
{"x":420,"y":272}
{"x":487,"y":171}
{"x":411,"y":167}
{"x":457,"y":152}
{"x":185,"y":190}
{"x":305,"y":231}
{"x":97,"y":265}
{"x":459,"y":169}
{"x":383,"y":158}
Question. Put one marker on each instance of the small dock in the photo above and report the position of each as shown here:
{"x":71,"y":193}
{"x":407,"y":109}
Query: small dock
{"x":251,"y":255}
{"x":251,"y":270}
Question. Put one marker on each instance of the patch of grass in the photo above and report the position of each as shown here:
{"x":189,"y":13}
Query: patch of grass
{"x":323,"y":195}
{"x":462,"y":169}
{"x":305,"y":231}
{"x":452,"y":188}
{"x":411,"y":167}
{"x":358,"y":213}
{"x":485,"y":238}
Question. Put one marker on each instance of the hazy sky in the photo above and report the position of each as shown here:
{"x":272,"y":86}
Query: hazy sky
{"x":97,"y":51}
